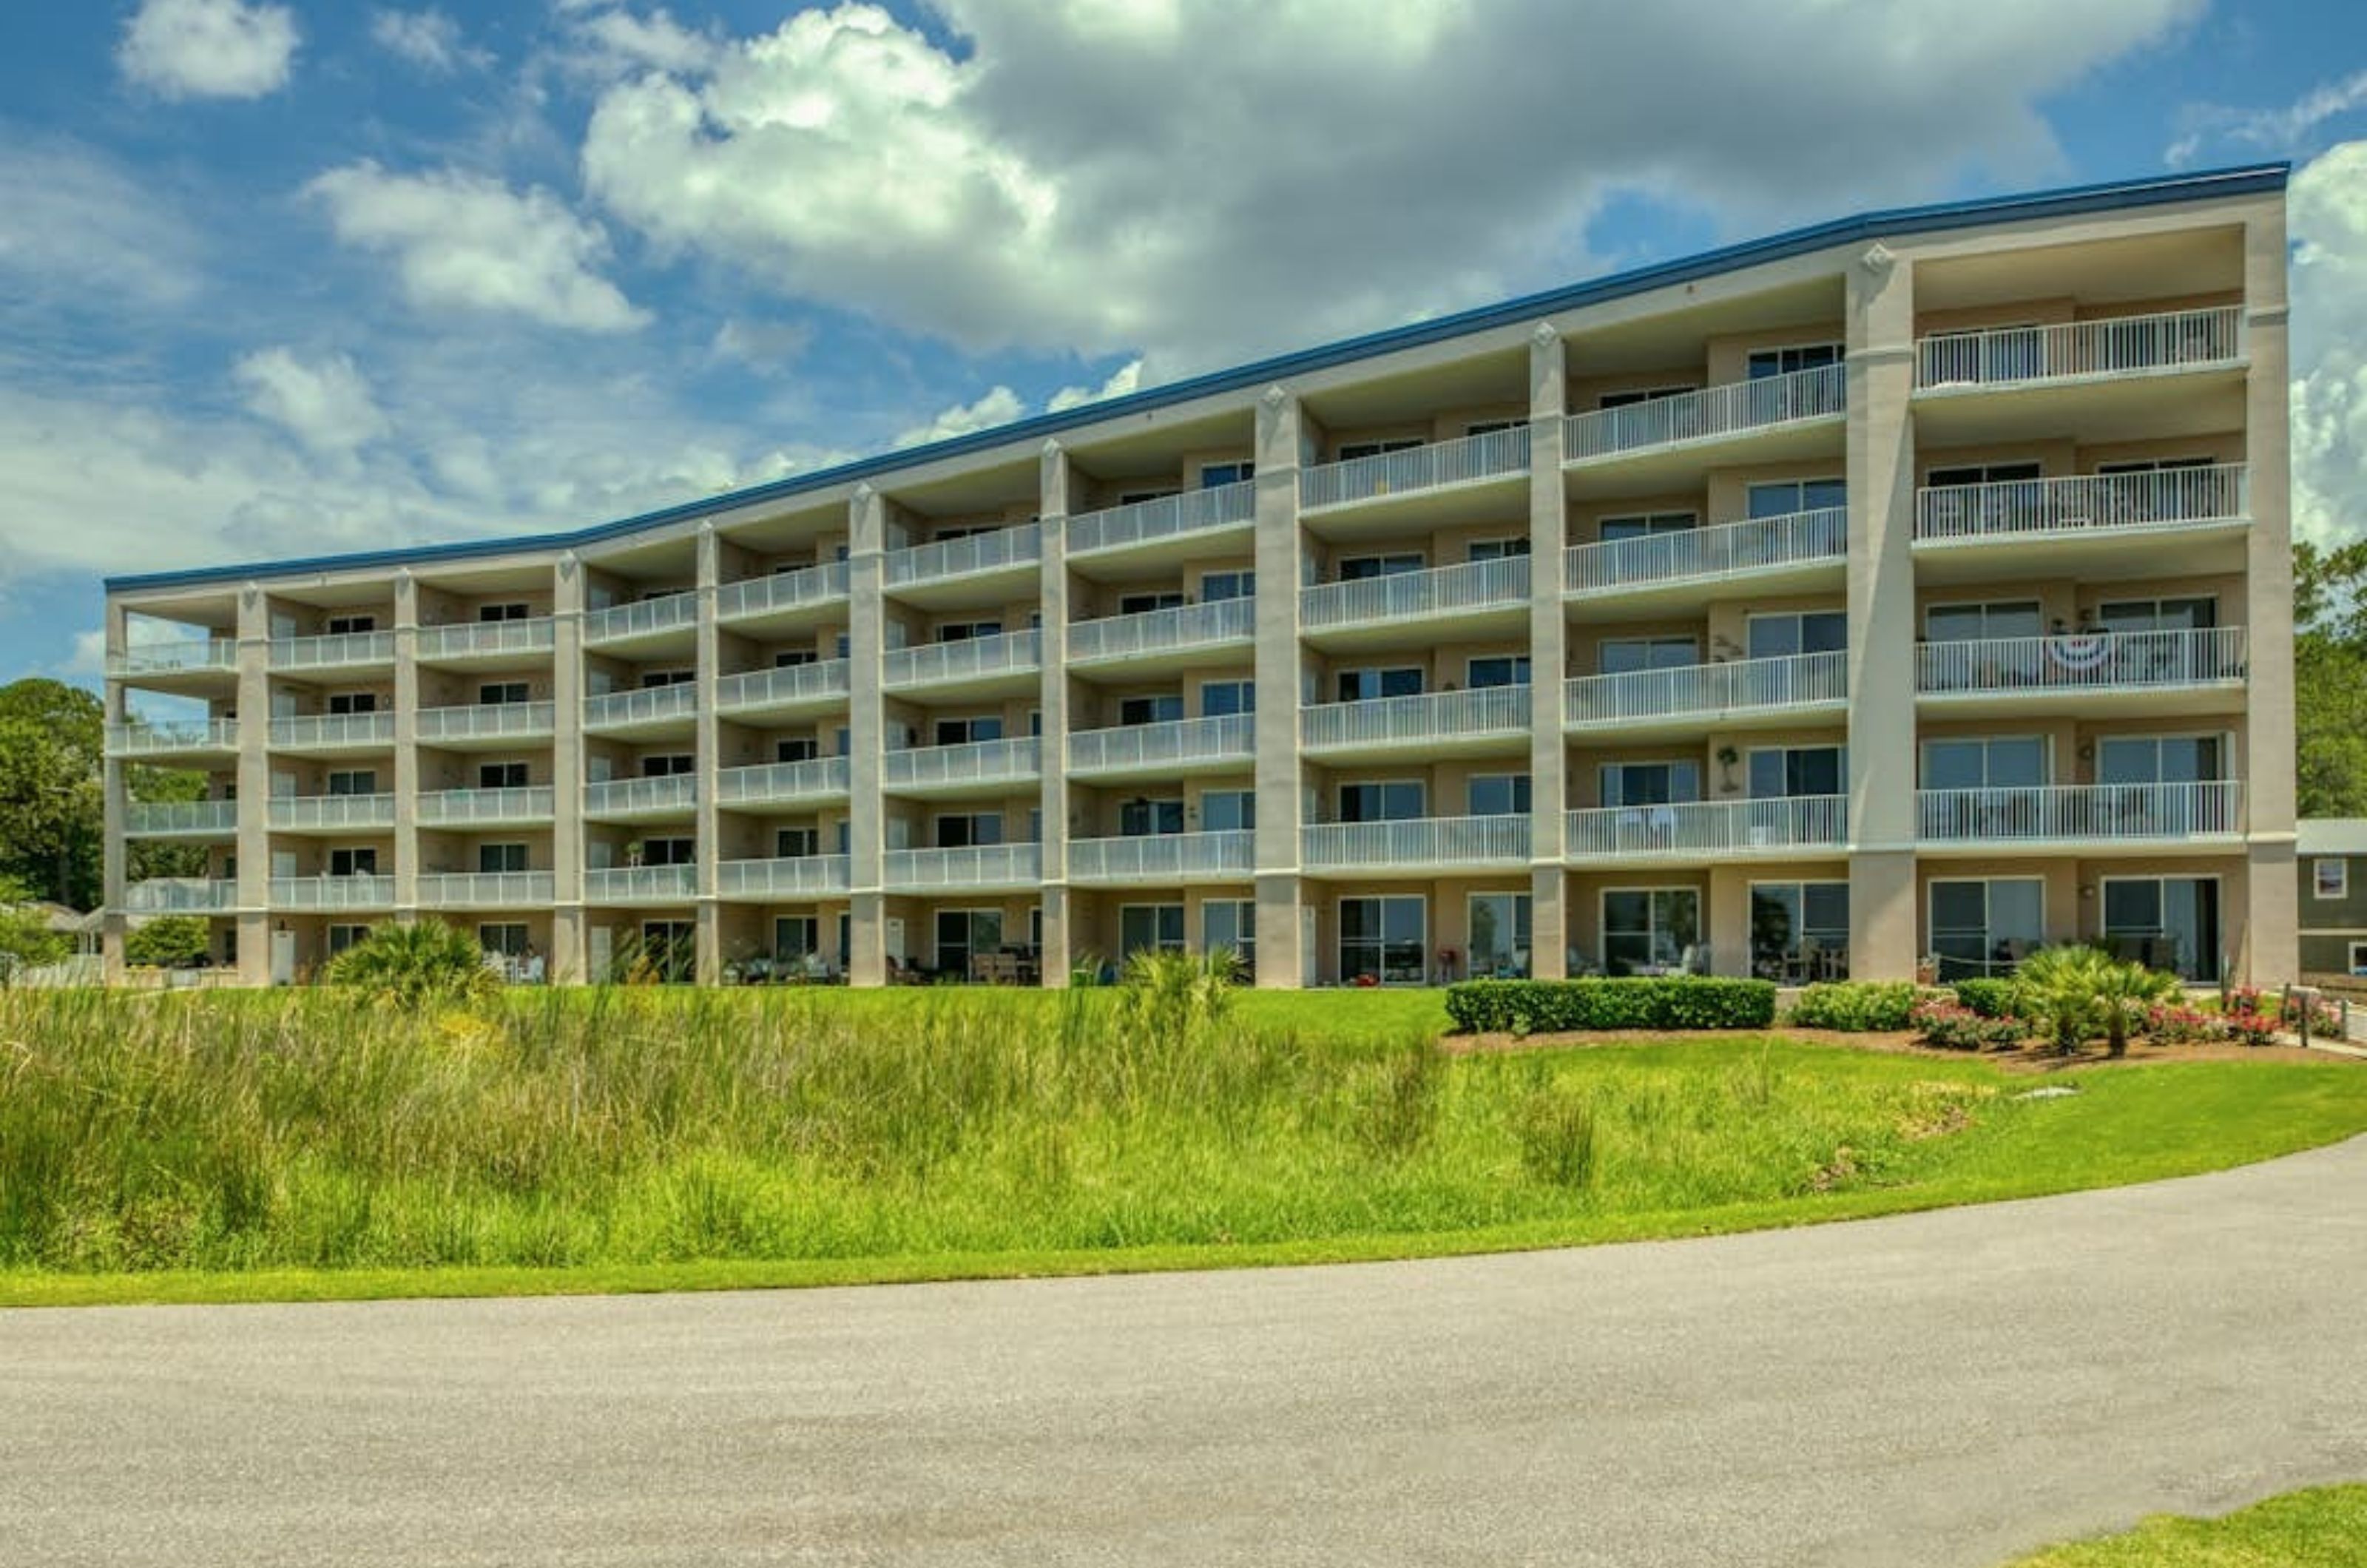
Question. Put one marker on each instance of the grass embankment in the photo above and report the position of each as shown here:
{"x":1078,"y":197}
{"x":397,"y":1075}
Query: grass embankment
{"x":293,"y":1145}
{"x":2323,"y":1528}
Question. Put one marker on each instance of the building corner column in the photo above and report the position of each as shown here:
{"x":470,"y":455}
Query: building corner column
{"x":707,"y":754}
{"x":867,"y":737}
{"x":1052,"y":746}
{"x":570,"y":936}
{"x":115,"y":851}
{"x":255,"y":913}
{"x":1548,"y":656}
{"x":1282,"y":961}
{"x":406,"y":747}
{"x":2271,"y":947}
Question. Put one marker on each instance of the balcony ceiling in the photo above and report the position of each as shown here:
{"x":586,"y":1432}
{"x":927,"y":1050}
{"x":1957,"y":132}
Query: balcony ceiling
{"x":666,"y":561}
{"x":1416,"y":396}
{"x":2101,"y":272}
{"x":1677,"y":332}
{"x":472,"y":581}
{"x":1146,"y":448}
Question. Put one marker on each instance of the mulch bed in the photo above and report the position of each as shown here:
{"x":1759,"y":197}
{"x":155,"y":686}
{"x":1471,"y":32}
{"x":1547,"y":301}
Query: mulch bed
{"x":2034,"y":1059}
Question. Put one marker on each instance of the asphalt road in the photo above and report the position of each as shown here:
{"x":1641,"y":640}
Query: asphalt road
{"x":1931,"y":1390}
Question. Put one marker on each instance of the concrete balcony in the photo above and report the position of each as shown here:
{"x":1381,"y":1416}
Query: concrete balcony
{"x":784,"y":692}
{"x":628,"y":800}
{"x":485,"y":889}
{"x":978,"y":867}
{"x":784,"y":598}
{"x":1421,"y":846}
{"x":477,"y":724}
{"x":343,"y":651}
{"x":1755,"y":416}
{"x":974,"y":560}
{"x":525,"y":807}
{"x":180,"y":818}
{"x":174,"y":738}
{"x":1173,"y":749}
{"x":814,"y":781}
{"x":1740,"y":693}
{"x":2186,"y":520}
{"x":2092,"y":819}
{"x":334,"y":732}
{"x":1006,"y":663}
{"x":660,"y":619}
{"x":1422,"y":482}
{"x":486,"y":642}
{"x":802,"y":876}
{"x":181,"y":896}
{"x":1153,"y":639}
{"x":329,"y":813}
{"x":1173,"y":527}
{"x":1491,"y":719}
{"x":203,"y":656}
{"x":647,"y":710}
{"x":2103,"y":349}
{"x":1708,"y":830}
{"x":1482,"y":599}
{"x":332,"y":893}
{"x":2162,"y":672}
{"x":1798,"y":551}
{"x":979,"y":767}
{"x":1163,"y":860}
{"x":641,"y":884}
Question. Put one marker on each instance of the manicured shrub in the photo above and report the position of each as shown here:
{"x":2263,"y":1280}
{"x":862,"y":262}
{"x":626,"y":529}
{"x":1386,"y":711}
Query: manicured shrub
{"x":1856,"y":1007}
{"x":168,"y":941}
{"x":1990,"y":998}
{"x":1555,"y":1007}
{"x":1952,"y":1026}
{"x":408,"y":965}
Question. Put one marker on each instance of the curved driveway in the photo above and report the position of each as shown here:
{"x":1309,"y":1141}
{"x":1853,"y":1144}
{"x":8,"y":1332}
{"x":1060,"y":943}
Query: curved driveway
{"x":1930,"y":1390}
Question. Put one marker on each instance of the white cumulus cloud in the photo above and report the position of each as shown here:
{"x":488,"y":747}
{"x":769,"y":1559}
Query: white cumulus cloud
{"x":999,"y":406}
{"x":1126,"y":378}
{"x":429,"y":40}
{"x":2327,"y":213}
{"x":209,"y":49}
{"x":326,"y":404}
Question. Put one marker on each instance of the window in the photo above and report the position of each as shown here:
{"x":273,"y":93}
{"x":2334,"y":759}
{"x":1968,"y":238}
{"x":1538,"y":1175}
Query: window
{"x":1229,"y":925}
{"x":1788,"y":497}
{"x":1782,"y":773}
{"x":795,"y":937}
{"x":2153,"y":465}
{"x":963,"y":934}
{"x":1626,"y":655}
{"x":1219,"y":698}
{"x":352,"y":862}
{"x":2358,"y":953}
{"x":1961,"y":474}
{"x":964,"y":829}
{"x":1150,"y":928}
{"x":341,"y":937}
{"x":1215,"y":474}
{"x":1967,"y":622}
{"x":653,"y":679}
{"x":503,"y":612}
{"x":501,"y":857}
{"x":1799,"y":931}
{"x":796,"y":748}
{"x":501,"y":775}
{"x":1149,"y":819}
{"x":667,"y":765}
{"x":670,"y":852}
{"x":969,"y":631}
{"x":845,"y":641}
{"x":1648,"y":928}
{"x":1352,"y":450}
{"x":1498,"y":794}
{"x":1383,"y":939}
{"x":2330,"y":877}
{"x":353,"y":702}
{"x":1766,"y":362}
{"x":1164,"y":708}
{"x":1228,"y":810}
{"x":1650,"y":784}
{"x":2159,"y":759}
{"x":1398,"y":800}
{"x":1497,"y":550}
{"x":1645,"y":525}
{"x":1997,"y":761}
{"x":795,"y":658}
{"x":1361,"y":568}
{"x":1216,"y":587}
{"x":671,"y":949}
{"x":2158,"y":614}
{"x":1498,"y":670}
{"x":1644,"y":395}
{"x":1812,"y":631}
{"x":1144,"y":604}
{"x":1986,"y":926}
{"x":966,"y":731}
{"x":845,"y":740}
{"x":496,"y":694}
{"x":844,"y":837}
{"x":1500,"y":936}
{"x":1364,"y":686}
{"x":2169,"y":923}
{"x":353,"y":781}
{"x":506,"y":939}
{"x":796,"y":843}
{"x":349,"y":626}
{"x":1491,"y":426}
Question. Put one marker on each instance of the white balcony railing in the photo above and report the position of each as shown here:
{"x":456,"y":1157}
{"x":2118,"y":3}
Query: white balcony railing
{"x":1419,"y":842}
{"x":998,"y":549}
{"x":487,"y":721}
{"x":2080,"y":504}
{"x":1165,"y":857}
{"x":783,"y":686}
{"x":979,"y":762}
{"x":1167,"y":517}
{"x":933,"y":663}
{"x":147,"y":738}
{"x":2116,"y":346}
{"x":332,"y":893}
{"x":1436,"y":716}
{"x":1416,"y":595}
{"x":467,"y":807}
{"x":800,"y":590}
{"x":1709,"y":827}
{"x":295,"y":812}
{"x":1728,"y":549}
{"x":803,"y":875}
{"x":333,"y":731}
{"x":635,"y":797}
{"x":2074,"y":813}
{"x":1163,"y":631}
{"x":644,"y":618}
{"x":484,"y":889}
{"x":487,"y":639}
{"x":1172,"y":743}
{"x":1688,"y":691}
{"x":815,"y":778}
{"x":2096,"y":661}
{"x":646,"y":705}
{"x":979,"y":865}
{"x":1495,"y":454}
{"x":181,"y":896}
{"x":175,"y":657}
{"x":1730,"y":409}
{"x":339,"y":649}
{"x":641,"y":883}
{"x":165,"y":818}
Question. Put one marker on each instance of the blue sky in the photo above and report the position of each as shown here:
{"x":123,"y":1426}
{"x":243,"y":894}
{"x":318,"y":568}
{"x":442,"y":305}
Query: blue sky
{"x":295,"y":278}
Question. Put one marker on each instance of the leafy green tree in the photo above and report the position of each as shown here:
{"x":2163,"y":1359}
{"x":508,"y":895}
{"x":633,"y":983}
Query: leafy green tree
{"x":2330,"y":678}
{"x":168,"y":941}
{"x":25,"y":939}
{"x":51,"y":808}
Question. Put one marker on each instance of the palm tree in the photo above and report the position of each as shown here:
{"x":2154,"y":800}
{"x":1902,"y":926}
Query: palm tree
{"x":2060,"y":984}
{"x":2123,"y":991}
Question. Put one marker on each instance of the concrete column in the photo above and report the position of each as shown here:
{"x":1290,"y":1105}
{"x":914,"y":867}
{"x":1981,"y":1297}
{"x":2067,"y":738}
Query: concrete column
{"x":1548,"y":639}
{"x":114,"y":853}
{"x":1280,"y":426}
{"x":2272,"y":942}
{"x":254,"y":785}
{"x":1881,"y":468}
{"x":1054,"y":746}
{"x":866,"y":726}
{"x":406,"y":746}
{"x":569,"y":939}
{"x":707,"y":758}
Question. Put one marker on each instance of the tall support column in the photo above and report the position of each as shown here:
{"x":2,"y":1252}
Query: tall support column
{"x":1281,"y":958}
{"x":406,"y":746}
{"x":707,"y":759}
{"x":867,"y":727}
{"x":1881,"y":439}
{"x":570,"y":934}
{"x":2272,"y":943}
{"x":1548,"y":638}
{"x":116,"y":776}
{"x":1053,"y":747}
{"x":254,"y":785}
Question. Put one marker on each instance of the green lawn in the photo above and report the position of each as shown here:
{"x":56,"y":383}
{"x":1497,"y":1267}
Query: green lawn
{"x":2324,"y":1528}
{"x":295,"y":1145}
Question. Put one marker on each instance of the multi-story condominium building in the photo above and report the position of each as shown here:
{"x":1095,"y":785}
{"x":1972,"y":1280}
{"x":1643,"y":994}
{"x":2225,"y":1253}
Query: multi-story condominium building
{"x":1911,"y":586}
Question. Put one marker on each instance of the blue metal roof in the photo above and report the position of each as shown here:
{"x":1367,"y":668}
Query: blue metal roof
{"x":1864,"y":227}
